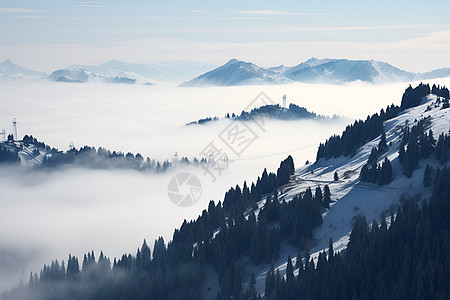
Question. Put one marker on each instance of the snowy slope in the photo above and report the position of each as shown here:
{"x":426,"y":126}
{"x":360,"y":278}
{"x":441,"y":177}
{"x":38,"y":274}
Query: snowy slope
{"x":353,"y":197}
{"x":25,"y":151}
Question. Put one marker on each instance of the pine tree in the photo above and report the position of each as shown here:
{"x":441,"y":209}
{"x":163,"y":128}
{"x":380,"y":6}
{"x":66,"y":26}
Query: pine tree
{"x":382,"y":144}
{"x":270,"y":282}
{"x":401,"y":154}
{"x":373,"y":157}
{"x":326,"y":196}
{"x":364,"y":174}
{"x":289,"y":271}
{"x":428,"y":176}
{"x":251,"y":289}
{"x":388,"y":171}
{"x":318,"y":196}
{"x":411,"y":159}
{"x":336,"y":176}
{"x":145,"y":254}
{"x":330,"y":249}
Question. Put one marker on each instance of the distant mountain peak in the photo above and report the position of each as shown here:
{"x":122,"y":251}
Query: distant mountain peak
{"x":10,"y":70}
{"x":233,"y":61}
{"x":237,"y":72}
{"x":313,"y":70}
{"x":168,"y":71}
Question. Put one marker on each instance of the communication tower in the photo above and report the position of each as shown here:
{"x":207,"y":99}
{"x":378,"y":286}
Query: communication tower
{"x":14,"y":123}
{"x":175,"y":158}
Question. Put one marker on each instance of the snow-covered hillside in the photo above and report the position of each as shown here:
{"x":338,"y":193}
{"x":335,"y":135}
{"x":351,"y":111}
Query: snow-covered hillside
{"x":29,"y":154}
{"x":351,"y":196}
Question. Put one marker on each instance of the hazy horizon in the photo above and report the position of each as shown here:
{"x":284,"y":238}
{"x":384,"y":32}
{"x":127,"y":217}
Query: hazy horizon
{"x":49,"y":35}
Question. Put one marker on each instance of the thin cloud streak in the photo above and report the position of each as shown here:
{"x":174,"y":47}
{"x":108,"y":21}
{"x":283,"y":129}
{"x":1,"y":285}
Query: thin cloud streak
{"x":16,"y":10}
{"x":298,"y":29}
{"x":199,"y":11}
{"x":91,"y":5}
{"x":277,"y":12}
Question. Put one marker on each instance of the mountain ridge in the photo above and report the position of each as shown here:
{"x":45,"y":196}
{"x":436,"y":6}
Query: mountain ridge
{"x":236,"y":72}
{"x":313,"y":70}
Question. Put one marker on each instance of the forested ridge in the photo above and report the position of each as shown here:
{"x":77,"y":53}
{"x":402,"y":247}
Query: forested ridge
{"x":360,"y":132}
{"x":410,"y":259}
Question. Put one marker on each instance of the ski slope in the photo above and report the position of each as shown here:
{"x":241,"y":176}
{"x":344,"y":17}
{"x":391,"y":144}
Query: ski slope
{"x":25,"y":151}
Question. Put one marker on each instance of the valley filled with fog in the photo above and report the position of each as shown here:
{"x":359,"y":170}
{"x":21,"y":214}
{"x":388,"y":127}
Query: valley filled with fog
{"x":47,"y":215}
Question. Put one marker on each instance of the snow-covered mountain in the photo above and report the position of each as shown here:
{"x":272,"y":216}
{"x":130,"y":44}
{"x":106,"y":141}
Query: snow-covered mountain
{"x":10,"y":71}
{"x":314,"y":70}
{"x":82,"y":75}
{"x":342,"y":70}
{"x":121,"y":72}
{"x":438,"y":73}
{"x":236,"y":72}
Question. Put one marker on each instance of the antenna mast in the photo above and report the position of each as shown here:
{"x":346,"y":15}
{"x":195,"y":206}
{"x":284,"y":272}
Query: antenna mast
{"x":175,"y":158}
{"x":14,"y":123}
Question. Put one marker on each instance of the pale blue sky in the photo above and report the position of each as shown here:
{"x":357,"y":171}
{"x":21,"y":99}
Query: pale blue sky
{"x":45,"y":34}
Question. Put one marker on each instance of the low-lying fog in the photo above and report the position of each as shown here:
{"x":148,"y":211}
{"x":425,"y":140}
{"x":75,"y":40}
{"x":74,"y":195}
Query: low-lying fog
{"x":44,"y":216}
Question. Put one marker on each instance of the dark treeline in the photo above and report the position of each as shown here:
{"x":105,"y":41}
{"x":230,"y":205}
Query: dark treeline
{"x":275,"y":111}
{"x":421,"y":145}
{"x":272,"y":111}
{"x":260,"y":238}
{"x":103,"y":158}
{"x":30,"y":140}
{"x":413,"y":96}
{"x":238,"y":199}
{"x":360,"y":132}
{"x":176,"y":270}
{"x":374,"y":172}
{"x":9,"y":156}
{"x":87,"y":157}
{"x":356,"y":135}
{"x":407,"y":260}
{"x":9,"y":151}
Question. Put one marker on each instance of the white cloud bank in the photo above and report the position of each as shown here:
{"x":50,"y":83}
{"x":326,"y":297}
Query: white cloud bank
{"x":48,"y":216}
